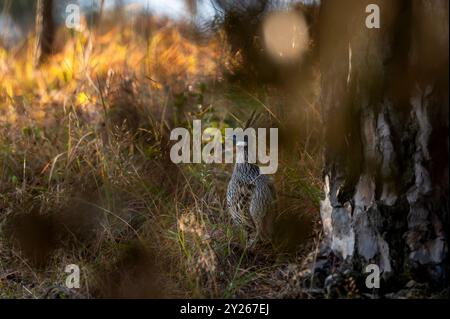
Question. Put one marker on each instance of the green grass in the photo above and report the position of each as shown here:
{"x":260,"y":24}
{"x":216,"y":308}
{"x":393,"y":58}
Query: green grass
{"x":108,"y":198}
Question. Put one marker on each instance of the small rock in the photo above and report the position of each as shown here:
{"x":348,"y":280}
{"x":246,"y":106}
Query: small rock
{"x":410,"y":284}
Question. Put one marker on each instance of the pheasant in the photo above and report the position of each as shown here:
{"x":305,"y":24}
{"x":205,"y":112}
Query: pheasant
{"x":250,"y":198}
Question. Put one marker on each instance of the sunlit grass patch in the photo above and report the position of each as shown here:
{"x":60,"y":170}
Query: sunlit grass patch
{"x":84,"y":150}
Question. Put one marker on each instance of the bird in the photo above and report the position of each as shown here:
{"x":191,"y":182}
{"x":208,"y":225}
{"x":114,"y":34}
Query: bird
{"x":250,"y":198}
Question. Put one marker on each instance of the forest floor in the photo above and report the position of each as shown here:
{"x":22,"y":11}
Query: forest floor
{"x":86,"y":178}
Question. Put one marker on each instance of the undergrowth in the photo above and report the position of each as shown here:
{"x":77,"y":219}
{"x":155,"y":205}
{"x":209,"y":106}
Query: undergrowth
{"x":86,"y":178}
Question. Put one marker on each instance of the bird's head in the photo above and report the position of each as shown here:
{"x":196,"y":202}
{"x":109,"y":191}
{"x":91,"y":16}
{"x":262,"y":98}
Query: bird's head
{"x":240,"y":142}
{"x":241,"y":148}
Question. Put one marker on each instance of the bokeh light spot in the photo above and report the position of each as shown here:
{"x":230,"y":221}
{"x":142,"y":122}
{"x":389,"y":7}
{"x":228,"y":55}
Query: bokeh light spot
{"x":285,"y":35}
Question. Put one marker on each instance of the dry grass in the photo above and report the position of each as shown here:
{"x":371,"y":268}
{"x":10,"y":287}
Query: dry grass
{"x":85,"y":176}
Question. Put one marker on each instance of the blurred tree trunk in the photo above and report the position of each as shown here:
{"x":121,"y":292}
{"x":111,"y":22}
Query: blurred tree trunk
{"x":45,"y":31}
{"x":6,"y":8}
{"x":100,"y":11}
{"x":385,"y":104}
{"x":192,"y":7}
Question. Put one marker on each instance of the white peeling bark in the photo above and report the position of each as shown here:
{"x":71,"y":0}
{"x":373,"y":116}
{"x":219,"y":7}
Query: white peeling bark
{"x":384,"y":94}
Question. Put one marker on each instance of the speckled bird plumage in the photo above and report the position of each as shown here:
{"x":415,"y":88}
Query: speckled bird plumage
{"x":250,"y":197}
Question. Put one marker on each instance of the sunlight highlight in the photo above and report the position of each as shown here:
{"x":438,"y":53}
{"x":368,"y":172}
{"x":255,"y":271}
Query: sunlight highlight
{"x":285,"y":35}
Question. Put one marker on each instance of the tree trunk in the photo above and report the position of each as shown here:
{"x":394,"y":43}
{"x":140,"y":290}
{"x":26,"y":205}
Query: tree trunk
{"x":45,"y":31}
{"x":385,"y":104}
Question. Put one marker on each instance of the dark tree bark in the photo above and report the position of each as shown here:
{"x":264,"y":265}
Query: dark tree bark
{"x":385,"y":104}
{"x":45,"y":30}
